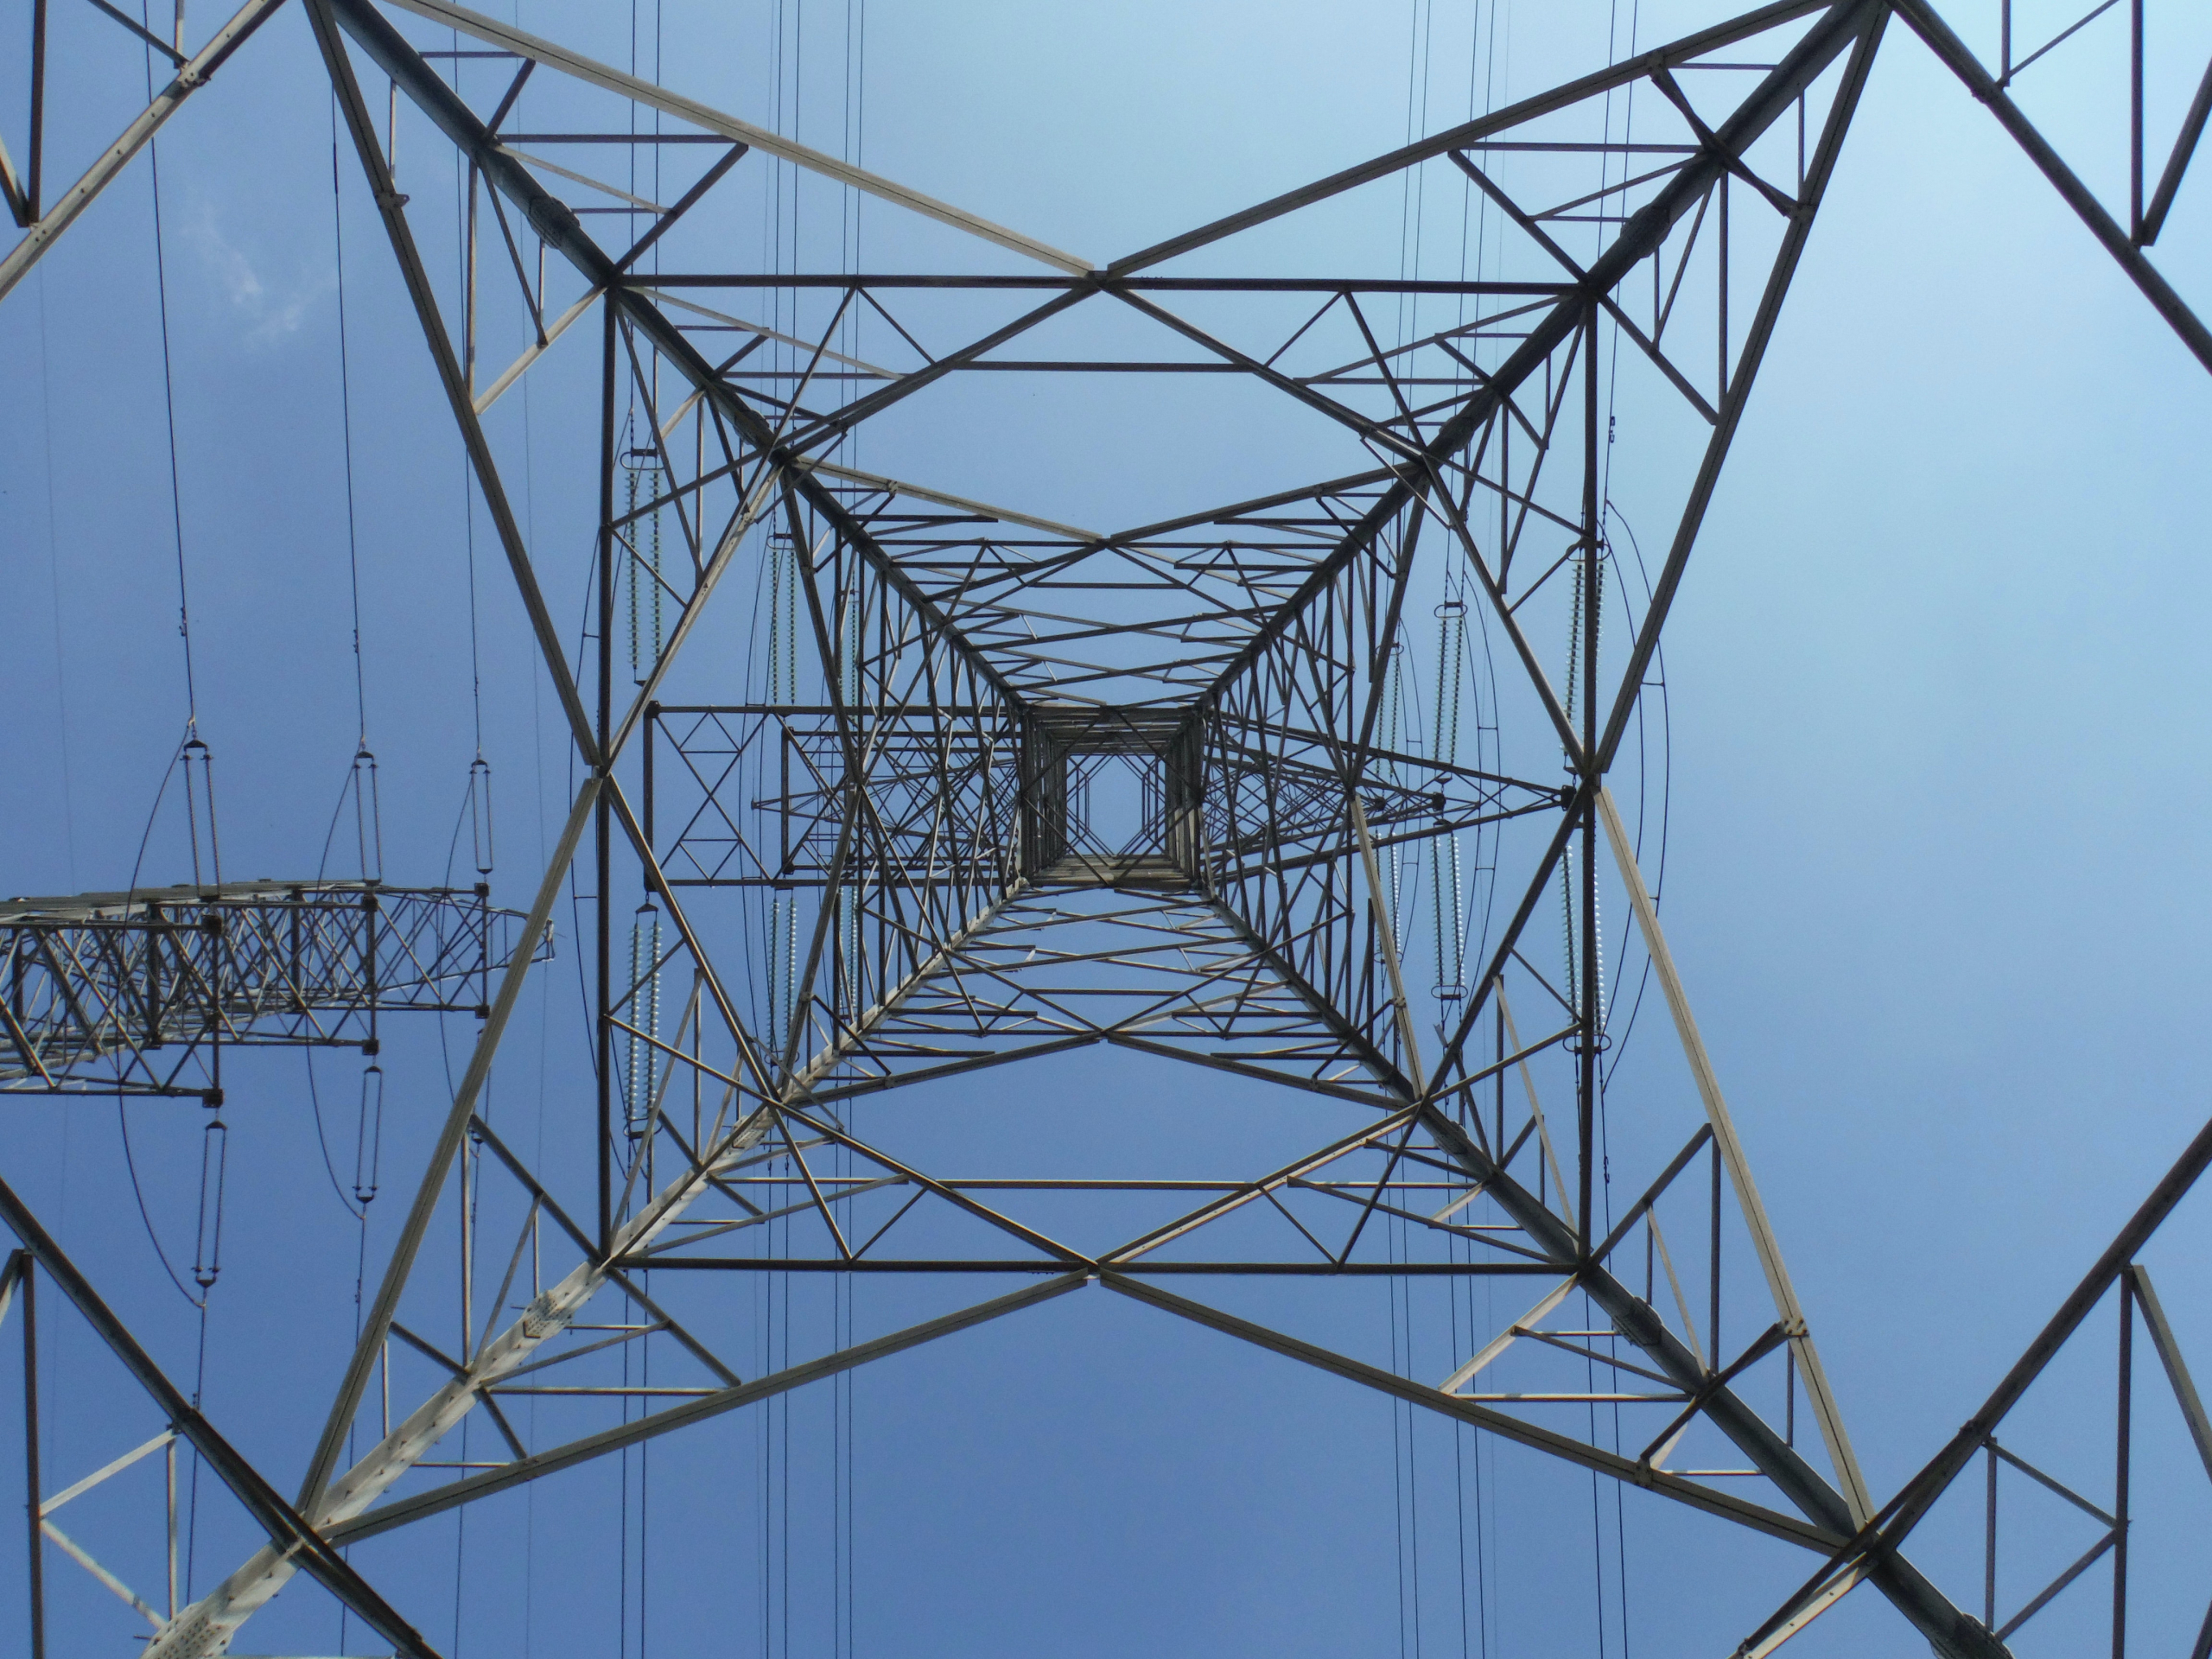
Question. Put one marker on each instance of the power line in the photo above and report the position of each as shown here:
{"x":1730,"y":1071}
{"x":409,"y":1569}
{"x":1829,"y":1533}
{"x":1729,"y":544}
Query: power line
{"x":168,"y":408}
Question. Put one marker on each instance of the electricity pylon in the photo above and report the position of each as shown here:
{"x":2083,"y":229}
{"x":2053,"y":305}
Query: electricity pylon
{"x":975,"y":786}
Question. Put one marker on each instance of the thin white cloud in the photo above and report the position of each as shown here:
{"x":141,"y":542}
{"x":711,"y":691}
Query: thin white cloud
{"x":269,"y":316}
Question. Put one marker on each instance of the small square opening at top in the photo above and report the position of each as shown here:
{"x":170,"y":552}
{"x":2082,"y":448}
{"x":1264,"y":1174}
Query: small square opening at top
{"x":1110,"y":795}
{"x":1114,"y":805}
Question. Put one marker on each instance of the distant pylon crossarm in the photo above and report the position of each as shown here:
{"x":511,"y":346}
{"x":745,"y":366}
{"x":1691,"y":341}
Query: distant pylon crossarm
{"x":134,"y":993}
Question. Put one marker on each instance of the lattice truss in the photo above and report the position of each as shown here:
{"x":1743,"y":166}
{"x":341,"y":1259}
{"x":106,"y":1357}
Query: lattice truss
{"x":966,"y":786}
{"x":139,"y":993}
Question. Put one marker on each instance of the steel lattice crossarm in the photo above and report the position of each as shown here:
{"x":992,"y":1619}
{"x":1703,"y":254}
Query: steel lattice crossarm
{"x":27,"y":181}
{"x":2155,"y":120}
{"x":2140,"y":1311}
{"x":137,"y":993}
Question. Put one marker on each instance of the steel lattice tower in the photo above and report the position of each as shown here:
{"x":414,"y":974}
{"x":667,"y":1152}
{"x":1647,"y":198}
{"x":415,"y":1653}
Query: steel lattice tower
{"x":970,"y":787}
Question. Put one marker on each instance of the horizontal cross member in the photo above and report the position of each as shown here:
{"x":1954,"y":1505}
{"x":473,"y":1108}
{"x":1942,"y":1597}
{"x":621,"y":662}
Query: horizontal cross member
{"x":659,"y":1262}
{"x":135,"y":983}
{"x":1140,"y":284}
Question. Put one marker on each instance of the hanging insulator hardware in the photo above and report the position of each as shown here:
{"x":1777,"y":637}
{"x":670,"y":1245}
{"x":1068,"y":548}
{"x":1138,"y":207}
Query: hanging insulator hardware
{"x":368,"y":1135}
{"x":199,"y":813}
{"x":783,"y":618}
{"x":645,"y":1066}
{"x":207,"y":1242}
{"x":648,"y":632}
{"x":368,"y":815}
{"x":480,"y":816}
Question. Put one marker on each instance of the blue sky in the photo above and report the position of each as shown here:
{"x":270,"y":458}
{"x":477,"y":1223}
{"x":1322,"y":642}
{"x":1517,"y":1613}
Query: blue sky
{"x":1939,"y":806}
